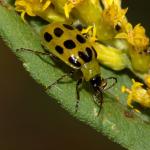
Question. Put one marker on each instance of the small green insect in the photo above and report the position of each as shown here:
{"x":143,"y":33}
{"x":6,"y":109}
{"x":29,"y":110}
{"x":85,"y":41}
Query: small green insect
{"x":69,"y":45}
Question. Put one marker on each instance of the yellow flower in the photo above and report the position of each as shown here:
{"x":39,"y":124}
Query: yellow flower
{"x":90,"y":33}
{"x":147,"y":80}
{"x":114,"y":15}
{"x":31,"y":7}
{"x":135,"y":36}
{"x":108,"y":3}
{"x":137,"y":94}
{"x":70,"y":4}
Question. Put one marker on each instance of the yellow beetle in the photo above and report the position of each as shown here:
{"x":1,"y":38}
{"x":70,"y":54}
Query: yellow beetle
{"x":69,"y":45}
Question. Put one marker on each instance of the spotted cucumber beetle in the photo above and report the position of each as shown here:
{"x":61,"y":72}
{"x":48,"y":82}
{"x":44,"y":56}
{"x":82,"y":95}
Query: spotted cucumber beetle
{"x":67,"y":44}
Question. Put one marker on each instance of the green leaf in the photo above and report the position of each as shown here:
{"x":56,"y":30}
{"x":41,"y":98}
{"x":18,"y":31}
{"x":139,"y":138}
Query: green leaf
{"x":130,"y":129}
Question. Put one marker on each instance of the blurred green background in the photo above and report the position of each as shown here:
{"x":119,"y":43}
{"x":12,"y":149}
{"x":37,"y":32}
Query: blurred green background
{"x":29,"y":120}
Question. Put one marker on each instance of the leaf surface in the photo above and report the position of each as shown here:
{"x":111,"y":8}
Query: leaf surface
{"x":130,"y":129}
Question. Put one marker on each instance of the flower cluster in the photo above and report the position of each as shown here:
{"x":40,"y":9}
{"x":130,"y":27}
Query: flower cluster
{"x":135,"y":36}
{"x":31,"y":7}
{"x":137,"y":94}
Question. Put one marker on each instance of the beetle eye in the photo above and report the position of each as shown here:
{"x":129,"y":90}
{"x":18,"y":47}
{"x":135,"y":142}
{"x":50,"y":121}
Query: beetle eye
{"x":96,"y":81}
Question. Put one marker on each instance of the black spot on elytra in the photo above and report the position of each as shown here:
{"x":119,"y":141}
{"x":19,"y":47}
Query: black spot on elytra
{"x":68,"y":26}
{"x":74,"y":61}
{"x":59,"y":49}
{"x":79,"y":27}
{"x":48,"y":37}
{"x":89,"y":51}
{"x":83,"y":56}
{"x":69,"y":44}
{"x":86,"y":57}
{"x":94,"y":51}
{"x":80,"y":38}
{"x":58,"y":32}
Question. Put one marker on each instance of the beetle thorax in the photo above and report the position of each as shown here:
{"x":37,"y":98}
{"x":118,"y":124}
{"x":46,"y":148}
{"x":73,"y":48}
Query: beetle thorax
{"x":90,"y":69}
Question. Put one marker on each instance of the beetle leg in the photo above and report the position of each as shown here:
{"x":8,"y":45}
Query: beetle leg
{"x":46,"y":52}
{"x":36,"y":52}
{"x":79,"y":82}
{"x":58,"y":80}
{"x":98,"y":99}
